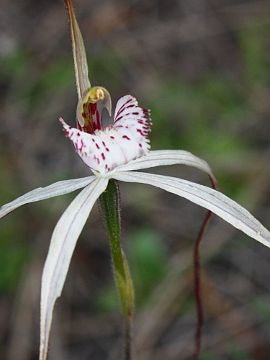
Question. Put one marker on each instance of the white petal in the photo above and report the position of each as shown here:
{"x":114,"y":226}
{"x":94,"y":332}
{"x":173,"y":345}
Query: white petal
{"x":206,"y":197}
{"x":167,"y":157}
{"x":123,"y":103}
{"x":56,"y":189}
{"x":62,"y":245}
{"x":133,"y":121}
{"x":104,"y":150}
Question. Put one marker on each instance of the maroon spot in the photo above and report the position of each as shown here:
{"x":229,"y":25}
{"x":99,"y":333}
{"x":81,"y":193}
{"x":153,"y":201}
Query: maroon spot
{"x":112,"y":137}
{"x":125,"y":137}
{"x":107,"y":149}
{"x":103,"y":156}
{"x":124,"y":106}
{"x":103,"y":143}
{"x":135,"y":113}
{"x":97,"y":146}
{"x":78,"y":134}
{"x":140,"y":145}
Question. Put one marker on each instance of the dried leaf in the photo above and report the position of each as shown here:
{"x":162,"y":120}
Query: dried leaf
{"x":79,"y":55}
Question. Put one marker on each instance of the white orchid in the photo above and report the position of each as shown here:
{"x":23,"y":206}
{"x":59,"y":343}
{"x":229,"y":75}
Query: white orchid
{"x":116,"y":152}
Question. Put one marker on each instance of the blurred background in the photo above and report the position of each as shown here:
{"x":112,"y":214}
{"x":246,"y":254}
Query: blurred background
{"x":202,"y":67}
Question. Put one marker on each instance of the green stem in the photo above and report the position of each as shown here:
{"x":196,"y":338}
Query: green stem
{"x":111,"y":208}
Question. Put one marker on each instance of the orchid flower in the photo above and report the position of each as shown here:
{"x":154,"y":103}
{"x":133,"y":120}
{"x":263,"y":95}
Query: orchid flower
{"x":114,"y":152}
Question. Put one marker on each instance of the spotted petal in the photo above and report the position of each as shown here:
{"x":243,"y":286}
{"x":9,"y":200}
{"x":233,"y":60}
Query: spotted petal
{"x":206,"y":197}
{"x":64,"y":239}
{"x":56,"y":189}
{"x":125,"y":140}
{"x":133,"y":122}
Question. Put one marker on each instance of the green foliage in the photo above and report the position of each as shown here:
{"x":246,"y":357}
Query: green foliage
{"x":107,"y":300}
{"x":105,"y":66}
{"x":262,"y":307}
{"x":197,"y":116}
{"x":13,"y":256}
{"x":14,"y":63}
{"x":58,"y":75}
{"x":147,"y":259}
{"x":235,"y":353}
{"x":207,"y":356}
{"x":253,"y":44}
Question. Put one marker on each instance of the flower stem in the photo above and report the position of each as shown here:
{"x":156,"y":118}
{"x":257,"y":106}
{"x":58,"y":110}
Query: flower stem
{"x":197,"y":287}
{"x":111,"y":208}
{"x":197,"y":281}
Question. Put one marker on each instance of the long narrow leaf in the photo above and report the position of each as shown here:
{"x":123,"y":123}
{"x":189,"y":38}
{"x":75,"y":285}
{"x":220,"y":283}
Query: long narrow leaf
{"x":56,"y":189}
{"x":167,"y":157}
{"x":62,"y":245}
{"x":79,"y":55}
{"x":206,"y":197}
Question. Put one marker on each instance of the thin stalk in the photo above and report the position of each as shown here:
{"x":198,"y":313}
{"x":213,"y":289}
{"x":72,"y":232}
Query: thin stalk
{"x":197,"y":282}
{"x":197,"y":287}
{"x":128,"y":338}
{"x":111,"y":208}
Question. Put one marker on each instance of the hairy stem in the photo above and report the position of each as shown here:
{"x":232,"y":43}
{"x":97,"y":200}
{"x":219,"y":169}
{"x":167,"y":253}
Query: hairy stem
{"x":111,"y":208}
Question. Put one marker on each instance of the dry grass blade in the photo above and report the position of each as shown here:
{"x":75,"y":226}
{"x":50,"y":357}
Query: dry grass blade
{"x":79,"y":55}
